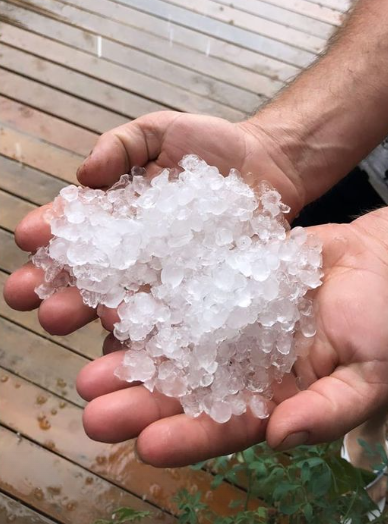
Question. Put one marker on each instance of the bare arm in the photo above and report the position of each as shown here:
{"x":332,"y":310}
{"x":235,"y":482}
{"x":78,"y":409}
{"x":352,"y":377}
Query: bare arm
{"x":335,"y":112}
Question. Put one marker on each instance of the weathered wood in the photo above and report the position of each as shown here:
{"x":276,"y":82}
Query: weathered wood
{"x":11,"y":257}
{"x":13,"y":511}
{"x":137,"y":59}
{"x":282,"y":15}
{"x":58,"y":488}
{"x":86,"y":341}
{"x":40,"y":361}
{"x":40,"y":155}
{"x":38,"y":415}
{"x":152,"y":16}
{"x":12,"y":210}
{"x":339,"y":5}
{"x":226,"y":61}
{"x":28,"y":183}
{"x":49,"y":128}
{"x":303,"y":7}
{"x":110,"y":73}
{"x":57,"y":103}
{"x":78,"y":84}
{"x":256,"y":23}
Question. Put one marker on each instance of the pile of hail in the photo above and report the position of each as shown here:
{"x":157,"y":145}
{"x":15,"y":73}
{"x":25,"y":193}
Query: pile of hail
{"x":209,"y":282}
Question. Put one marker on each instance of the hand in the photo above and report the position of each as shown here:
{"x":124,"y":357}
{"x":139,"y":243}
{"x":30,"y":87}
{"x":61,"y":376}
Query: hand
{"x":346,"y":369}
{"x":155,"y":141}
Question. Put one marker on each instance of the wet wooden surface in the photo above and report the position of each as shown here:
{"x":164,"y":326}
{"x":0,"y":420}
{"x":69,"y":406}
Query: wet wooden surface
{"x":70,"y":70}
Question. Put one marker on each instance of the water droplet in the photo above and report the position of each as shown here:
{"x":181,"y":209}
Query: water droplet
{"x":155,"y":490}
{"x":44,"y":423}
{"x":41,"y":399}
{"x":54,"y":411}
{"x":49,"y":444}
{"x":38,"y":494}
{"x":4,"y":378}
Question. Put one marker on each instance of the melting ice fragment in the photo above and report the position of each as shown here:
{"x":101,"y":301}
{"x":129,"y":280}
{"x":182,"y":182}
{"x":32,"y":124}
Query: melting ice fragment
{"x":210,"y":284}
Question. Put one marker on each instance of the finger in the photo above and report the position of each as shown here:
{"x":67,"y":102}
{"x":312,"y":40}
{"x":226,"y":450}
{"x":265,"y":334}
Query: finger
{"x":181,"y":440}
{"x":19,"y":288}
{"x":122,"y":415}
{"x":284,"y":389}
{"x":65,"y":312}
{"x":97,"y":378}
{"x":133,"y":144}
{"x":327,"y":410}
{"x":108,"y":317}
{"x":34,"y":230}
{"x":111,"y":344}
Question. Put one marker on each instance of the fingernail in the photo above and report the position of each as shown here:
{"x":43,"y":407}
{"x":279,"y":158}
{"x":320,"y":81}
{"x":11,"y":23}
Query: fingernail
{"x":293,"y":440}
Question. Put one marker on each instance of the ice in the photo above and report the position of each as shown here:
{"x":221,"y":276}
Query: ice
{"x":210,"y":285}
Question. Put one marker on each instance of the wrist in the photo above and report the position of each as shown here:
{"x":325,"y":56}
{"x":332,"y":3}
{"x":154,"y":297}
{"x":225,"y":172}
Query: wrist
{"x":266,"y":158}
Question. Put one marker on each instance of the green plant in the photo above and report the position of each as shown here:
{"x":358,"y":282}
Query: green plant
{"x":124,"y":515}
{"x":310,"y":484}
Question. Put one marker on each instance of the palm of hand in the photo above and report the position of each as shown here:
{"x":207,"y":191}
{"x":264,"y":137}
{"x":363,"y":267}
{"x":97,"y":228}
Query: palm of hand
{"x":347,"y":367}
{"x":346,"y":371}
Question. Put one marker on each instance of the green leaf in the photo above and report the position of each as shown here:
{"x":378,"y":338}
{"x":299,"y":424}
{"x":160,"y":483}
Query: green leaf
{"x":312,"y":462}
{"x":321,"y":482}
{"x":199,"y":465}
{"x":308,"y":512}
{"x":249,"y":455}
{"x":124,"y":515}
{"x":305,"y":473}
{"x":235,"y":504}
{"x":283,"y":489}
{"x":217,"y":481}
{"x":259,"y":468}
{"x":289,"y":509}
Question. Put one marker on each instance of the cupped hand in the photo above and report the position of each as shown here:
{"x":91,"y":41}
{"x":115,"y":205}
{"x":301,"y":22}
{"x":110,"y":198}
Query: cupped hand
{"x":345,"y":372}
{"x":156,"y":141}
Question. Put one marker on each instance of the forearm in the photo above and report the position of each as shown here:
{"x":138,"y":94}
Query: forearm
{"x":335,"y":112}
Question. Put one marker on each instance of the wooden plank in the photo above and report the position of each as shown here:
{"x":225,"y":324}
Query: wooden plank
{"x":303,"y":7}
{"x":58,"y":488}
{"x":225,"y":61}
{"x":131,"y":58}
{"x":258,"y":23}
{"x":57,"y":103}
{"x":12,"y":210}
{"x":282,"y":15}
{"x":296,"y":54}
{"x":49,"y":128}
{"x":13,"y":511}
{"x":77,"y":84}
{"x":11,"y":257}
{"x":40,"y":155}
{"x":86,"y":341}
{"x":28,"y":183}
{"x":40,"y":361}
{"x":339,"y":5}
{"x":22,"y":408}
{"x":166,"y":94}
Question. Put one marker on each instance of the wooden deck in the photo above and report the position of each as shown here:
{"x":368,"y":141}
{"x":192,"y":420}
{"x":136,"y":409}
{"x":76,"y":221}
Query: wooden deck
{"x":70,"y":70}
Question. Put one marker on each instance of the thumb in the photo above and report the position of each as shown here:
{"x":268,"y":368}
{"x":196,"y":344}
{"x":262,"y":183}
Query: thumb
{"x":326,"y":411}
{"x":118,"y":150}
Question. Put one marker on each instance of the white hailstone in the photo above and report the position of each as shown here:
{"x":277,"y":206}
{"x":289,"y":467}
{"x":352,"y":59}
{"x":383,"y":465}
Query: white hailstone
{"x":209,"y":282}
